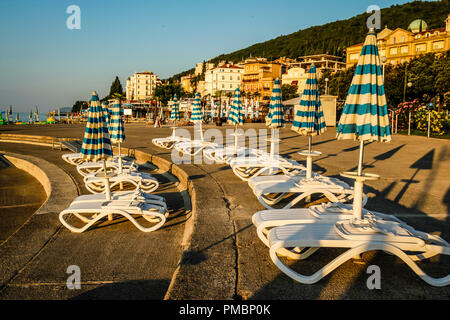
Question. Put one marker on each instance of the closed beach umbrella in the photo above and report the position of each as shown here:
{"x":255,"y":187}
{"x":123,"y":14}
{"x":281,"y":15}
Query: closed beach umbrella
{"x":236,"y":116}
{"x":197,"y":114}
{"x":117,"y":128}
{"x":309,"y":120}
{"x":96,"y":142}
{"x":276,"y":110}
{"x":106,"y":113}
{"x":31,"y":116}
{"x":175,"y":113}
{"x":275,"y":118}
{"x":365,"y":114}
{"x":59,"y":113}
{"x":17,"y":117}
{"x":36,"y":114}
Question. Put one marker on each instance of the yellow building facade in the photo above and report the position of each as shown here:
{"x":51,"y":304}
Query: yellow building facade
{"x":186,"y":83}
{"x":400,"y":45}
{"x":259,"y":76}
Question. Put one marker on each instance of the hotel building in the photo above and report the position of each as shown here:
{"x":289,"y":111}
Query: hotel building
{"x":400,"y":45}
{"x":224,"y":77}
{"x":259,"y":76}
{"x":141,"y":85}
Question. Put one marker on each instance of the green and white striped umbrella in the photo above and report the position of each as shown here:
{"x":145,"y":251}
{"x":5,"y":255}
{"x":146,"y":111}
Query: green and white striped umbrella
{"x":276,"y":110}
{"x":365,"y":114}
{"x":309,"y":119}
{"x":236,"y":116}
{"x":197,"y":113}
{"x":116,"y":125}
{"x":175,"y":113}
{"x":96,"y":142}
{"x":106,"y":112}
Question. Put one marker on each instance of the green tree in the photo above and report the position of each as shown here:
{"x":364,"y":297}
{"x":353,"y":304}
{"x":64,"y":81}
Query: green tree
{"x":166,"y":92}
{"x":289,"y":91}
{"x":79,"y":105}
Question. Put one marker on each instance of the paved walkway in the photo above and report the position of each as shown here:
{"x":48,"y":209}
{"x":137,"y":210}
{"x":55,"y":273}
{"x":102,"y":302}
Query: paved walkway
{"x":117,"y":261}
{"x":226,"y":260}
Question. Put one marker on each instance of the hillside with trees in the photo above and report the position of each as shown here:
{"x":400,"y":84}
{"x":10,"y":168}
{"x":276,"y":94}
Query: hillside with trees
{"x":336,"y":36}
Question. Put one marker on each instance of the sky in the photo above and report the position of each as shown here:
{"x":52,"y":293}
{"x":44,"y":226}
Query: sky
{"x":43,"y":63}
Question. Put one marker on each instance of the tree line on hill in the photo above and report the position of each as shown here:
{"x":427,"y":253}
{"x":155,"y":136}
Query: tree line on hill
{"x":333,"y":38}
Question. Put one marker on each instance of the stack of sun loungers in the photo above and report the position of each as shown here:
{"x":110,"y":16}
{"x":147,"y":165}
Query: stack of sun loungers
{"x":342,"y":221}
{"x":117,"y":186}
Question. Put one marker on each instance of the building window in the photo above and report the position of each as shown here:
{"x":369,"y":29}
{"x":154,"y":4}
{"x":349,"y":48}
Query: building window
{"x":394,"y":40}
{"x":437,"y":45}
{"x":421,"y":47}
{"x":437,"y":33}
{"x":417,"y":36}
{"x":404,"y":49}
{"x":393,"y":51}
{"x":354,"y":56}
{"x":403,"y":38}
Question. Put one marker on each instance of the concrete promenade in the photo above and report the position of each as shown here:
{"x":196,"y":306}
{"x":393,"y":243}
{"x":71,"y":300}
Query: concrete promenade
{"x":224,"y":259}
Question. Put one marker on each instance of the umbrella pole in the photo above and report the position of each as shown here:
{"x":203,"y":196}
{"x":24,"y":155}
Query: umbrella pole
{"x":107,"y":187}
{"x":309,"y":159}
{"x":361,"y":156}
{"x":120,"y":159}
{"x":235,"y":139}
{"x":359,"y":185}
{"x":272,"y":143}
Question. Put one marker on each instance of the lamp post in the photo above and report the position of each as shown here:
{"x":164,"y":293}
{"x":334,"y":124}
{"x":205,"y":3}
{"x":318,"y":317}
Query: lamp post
{"x":383,"y":60}
{"x":409,"y":115}
{"x":326,"y":85}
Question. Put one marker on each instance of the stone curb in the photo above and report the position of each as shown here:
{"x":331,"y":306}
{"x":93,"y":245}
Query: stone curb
{"x":23,"y":245}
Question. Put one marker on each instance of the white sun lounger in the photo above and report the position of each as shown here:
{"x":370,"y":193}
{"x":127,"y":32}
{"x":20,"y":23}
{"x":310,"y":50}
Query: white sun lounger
{"x":324,"y":213}
{"x":392,"y":237}
{"x":225,"y":154}
{"x":112,"y":167}
{"x":95,"y":182}
{"x":125,"y":196}
{"x":271,"y":193}
{"x":99,"y":210}
{"x":73,"y":158}
{"x":193,"y":147}
{"x":246,"y":168}
{"x":168,"y":142}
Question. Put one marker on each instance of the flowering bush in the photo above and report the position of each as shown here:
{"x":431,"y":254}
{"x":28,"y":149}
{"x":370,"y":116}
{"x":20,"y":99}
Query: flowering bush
{"x":439,"y":121}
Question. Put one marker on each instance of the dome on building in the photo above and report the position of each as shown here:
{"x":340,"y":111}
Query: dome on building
{"x":418,"y":26}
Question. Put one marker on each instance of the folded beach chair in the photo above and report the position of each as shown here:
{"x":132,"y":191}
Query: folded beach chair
{"x":96,"y":211}
{"x":392,"y":237}
{"x":95,"y":182}
{"x":327,"y":213}
{"x":263,"y":165}
{"x":225,"y":154}
{"x":295,"y":188}
{"x":112,"y":167}
{"x":193,"y":147}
